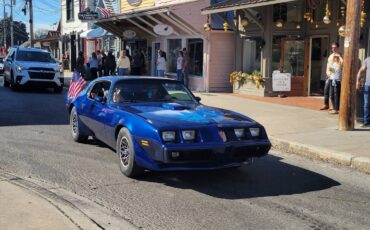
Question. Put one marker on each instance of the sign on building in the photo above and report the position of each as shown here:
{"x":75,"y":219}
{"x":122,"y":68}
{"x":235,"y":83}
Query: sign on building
{"x":88,"y":15}
{"x":281,"y":81}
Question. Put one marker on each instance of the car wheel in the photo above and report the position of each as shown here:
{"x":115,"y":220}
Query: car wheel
{"x":126,"y":154}
{"x":75,"y":127}
{"x":13,"y":86}
{"x":6,"y":83}
{"x":58,"y":89}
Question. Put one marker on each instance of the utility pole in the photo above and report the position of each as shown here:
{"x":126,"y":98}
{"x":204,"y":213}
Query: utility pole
{"x":11,"y":24}
{"x":350,"y":66}
{"x":31,"y":23}
{"x":4,"y":24}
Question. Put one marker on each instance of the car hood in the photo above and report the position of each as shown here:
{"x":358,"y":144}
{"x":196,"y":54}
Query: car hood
{"x":173,"y":114}
{"x":28,"y":64}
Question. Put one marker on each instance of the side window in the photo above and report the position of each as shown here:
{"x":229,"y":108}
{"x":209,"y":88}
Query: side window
{"x":10,"y":55}
{"x":100,"y":89}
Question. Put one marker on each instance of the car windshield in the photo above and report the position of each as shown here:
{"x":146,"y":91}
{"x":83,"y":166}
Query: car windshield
{"x":151,"y":90}
{"x":34,"y":56}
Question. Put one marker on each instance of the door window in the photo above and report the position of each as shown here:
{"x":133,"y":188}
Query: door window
{"x":100,"y":89}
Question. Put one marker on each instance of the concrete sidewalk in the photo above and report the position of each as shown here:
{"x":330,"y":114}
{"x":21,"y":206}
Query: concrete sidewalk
{"x":297,"y":125}
{"x":31,"y":204}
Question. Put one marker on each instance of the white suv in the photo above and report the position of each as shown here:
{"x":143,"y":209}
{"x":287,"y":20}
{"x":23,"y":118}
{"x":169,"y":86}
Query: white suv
{"x":30,"y":66}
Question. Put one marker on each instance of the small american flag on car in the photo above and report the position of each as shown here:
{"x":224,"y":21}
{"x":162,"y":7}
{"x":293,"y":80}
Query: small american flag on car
{"x":76,"y":85}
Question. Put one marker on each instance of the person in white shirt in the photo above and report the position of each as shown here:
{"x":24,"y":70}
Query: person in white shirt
{"x":93,"y":64}
{"x":180,"y":57}
{"x":123,"y":64}
{"x":161,"y":64}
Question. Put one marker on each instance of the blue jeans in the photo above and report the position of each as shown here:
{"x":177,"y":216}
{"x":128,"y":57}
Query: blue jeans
{"x":367,"y":104}
{"x":180,"y":77}
{"x":122,"y":71}
{"x":160,"y":73}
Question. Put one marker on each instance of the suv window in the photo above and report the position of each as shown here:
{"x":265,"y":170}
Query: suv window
{"x":34,"y":56}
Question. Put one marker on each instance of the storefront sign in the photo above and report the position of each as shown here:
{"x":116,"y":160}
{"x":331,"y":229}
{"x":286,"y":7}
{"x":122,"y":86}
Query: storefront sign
{"x":129,"y":34}
{"x":134,"y":2}
{"x":281,"y":81}
{"x":163,"y":29}
{"x":88,"y":15}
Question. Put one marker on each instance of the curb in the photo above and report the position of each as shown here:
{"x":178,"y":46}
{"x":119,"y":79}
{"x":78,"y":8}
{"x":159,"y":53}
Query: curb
{"x":361,"y":164}
{"x":83,"y":213}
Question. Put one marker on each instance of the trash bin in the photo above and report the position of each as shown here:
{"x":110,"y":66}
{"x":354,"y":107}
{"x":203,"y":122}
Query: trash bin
{"x":360,"y":106}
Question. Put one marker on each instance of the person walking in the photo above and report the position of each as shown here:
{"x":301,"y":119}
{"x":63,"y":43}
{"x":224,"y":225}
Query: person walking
{"x":103,"y":60}
{"x":123,"y":64}
{"x":365,"y":67}
{"x":80,"y":64}
{"x":328,"y":82}
{"x":185,"y":66}
{"x":100,"y":63}
{"x":137,"y":63}
{"x":110,"y":64}
{"x":335,"y":77}
{"x":180,"y":58}
{"x":93,"y":64}
{"x":161,"y":64}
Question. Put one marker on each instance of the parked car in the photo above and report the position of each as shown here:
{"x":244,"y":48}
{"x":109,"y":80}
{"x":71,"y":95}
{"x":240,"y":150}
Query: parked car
{"x":158,"y":124}
{"x":1,"y":65}
{"x":30,"y":66}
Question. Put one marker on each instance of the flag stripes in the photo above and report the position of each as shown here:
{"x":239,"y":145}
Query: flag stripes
{"x":76,"y":85}
{"x":104,"y":12}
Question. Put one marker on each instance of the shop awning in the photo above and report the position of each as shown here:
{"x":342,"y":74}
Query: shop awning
{"x":143,"y":22}
{"x":229,"y":5}
{"x":93,"y":33}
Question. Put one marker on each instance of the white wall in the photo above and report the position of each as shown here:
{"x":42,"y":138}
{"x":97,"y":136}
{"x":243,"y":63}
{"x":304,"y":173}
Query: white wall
{"x":76,"y":24}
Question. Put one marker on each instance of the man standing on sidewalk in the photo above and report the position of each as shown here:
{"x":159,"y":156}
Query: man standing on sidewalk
{"x":365,"y":66}
{"x":328,"y":81}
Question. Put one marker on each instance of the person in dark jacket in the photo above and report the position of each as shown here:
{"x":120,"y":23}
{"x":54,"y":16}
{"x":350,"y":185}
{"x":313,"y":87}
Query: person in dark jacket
{"x":110,"y":64}
{"x":80,"y":65}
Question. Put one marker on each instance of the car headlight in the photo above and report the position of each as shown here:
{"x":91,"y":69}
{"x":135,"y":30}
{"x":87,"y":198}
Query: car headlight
{"x":20,"y":68}
{"x":239,"y":133}
{"x":168,"y":136}
{"x":255,"y":132}
{"x":188,"y":135}
{"x":57,"y":69}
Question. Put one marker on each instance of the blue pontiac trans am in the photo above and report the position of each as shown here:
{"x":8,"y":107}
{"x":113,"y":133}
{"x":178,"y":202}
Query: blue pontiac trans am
{"x":158,"y":124}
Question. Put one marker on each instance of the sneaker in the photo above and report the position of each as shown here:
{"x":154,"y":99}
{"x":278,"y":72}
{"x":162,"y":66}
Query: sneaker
{"x":334,"y":112}
{"x":364,"y":125}
{"x":325,"y":107}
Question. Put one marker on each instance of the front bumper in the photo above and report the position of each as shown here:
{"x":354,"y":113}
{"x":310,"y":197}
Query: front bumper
{"x":39,"y":78}
{"x":205,"y":156}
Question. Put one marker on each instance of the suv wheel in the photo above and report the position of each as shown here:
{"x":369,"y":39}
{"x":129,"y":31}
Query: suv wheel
{"x":58,"y":89}
{"x":12,"y":83}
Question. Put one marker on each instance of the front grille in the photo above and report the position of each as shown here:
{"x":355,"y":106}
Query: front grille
{"x":41,"y":75}
{"x":41,"y":69}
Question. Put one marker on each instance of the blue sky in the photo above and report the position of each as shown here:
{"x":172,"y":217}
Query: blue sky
{"x":45,"y":13}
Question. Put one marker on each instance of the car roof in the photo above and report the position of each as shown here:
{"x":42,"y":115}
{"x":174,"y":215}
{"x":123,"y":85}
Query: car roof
{"x":147,"y":78}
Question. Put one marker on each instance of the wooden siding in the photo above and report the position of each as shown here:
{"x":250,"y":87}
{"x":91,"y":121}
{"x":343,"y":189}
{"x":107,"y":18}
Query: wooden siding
{"x":127,"y":7}
{"x":222,"y":61}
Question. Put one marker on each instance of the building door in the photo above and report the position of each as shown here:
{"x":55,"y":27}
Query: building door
{"x":318,"y":59}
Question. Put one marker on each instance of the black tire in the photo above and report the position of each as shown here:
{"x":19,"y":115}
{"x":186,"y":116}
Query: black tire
{"x":6,"y":83}
{"x":75,"y":125}
{"x":58,"y":89}
{"x":13,"y":86}
{"x":126,"y":155}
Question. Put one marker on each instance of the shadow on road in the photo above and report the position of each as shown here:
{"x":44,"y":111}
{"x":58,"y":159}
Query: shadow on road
{"x":33,"y":106}
{"x":268,"y":176}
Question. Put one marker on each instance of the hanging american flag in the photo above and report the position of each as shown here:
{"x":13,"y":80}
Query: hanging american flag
{"x":76,"y":85}
{"x":105,"y":12}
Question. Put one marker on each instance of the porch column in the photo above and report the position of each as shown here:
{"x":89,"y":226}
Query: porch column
{"x":267,"y":36}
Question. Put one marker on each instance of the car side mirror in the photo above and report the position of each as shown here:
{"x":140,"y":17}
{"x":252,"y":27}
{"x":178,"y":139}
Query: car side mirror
{"x":198,"y":99}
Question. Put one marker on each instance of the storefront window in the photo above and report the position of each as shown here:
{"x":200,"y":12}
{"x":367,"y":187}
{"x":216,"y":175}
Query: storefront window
{"x":288,"y":12}
{"x":174,"y":45}
{"x":252,"y":55}
{"x":288,"y":55}
{"x":195,"y":48}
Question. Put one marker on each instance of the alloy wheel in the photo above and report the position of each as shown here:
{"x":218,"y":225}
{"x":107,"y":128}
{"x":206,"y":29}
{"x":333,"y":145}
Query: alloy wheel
{"x":124,"y":152}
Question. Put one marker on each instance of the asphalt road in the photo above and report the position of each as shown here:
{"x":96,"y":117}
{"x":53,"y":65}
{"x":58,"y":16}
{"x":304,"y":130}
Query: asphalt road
{"x":280,"y":191}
